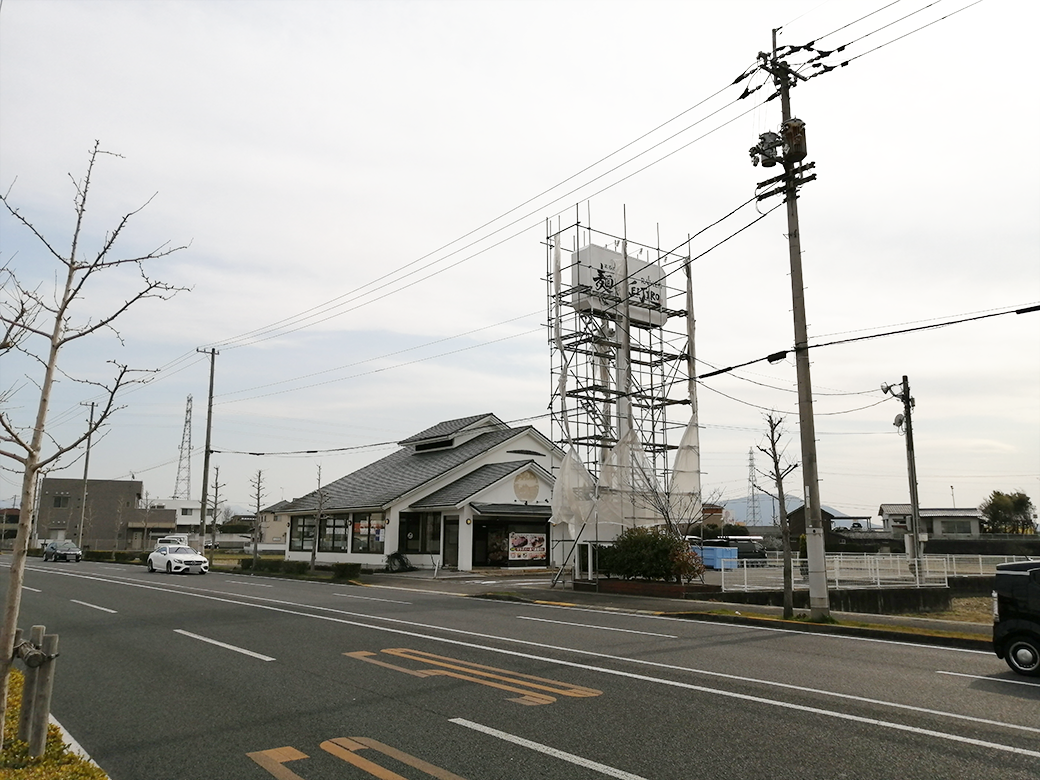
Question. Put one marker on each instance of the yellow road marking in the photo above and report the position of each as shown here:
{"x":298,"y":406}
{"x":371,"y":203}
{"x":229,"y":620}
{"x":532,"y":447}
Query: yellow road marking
{"x":533,"y":690}
{"x":345,"y":748}
{"x":272,"y":761}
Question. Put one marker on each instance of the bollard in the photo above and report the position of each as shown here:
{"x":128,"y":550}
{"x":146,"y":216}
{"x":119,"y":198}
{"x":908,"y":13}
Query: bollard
{"x":32,"y":674}
{"x":42,"y":697}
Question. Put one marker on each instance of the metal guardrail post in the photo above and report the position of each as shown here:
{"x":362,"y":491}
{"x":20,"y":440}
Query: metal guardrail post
{"x":42,"y":698}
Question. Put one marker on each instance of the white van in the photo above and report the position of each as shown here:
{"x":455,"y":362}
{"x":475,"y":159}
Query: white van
{"x":172,"y":539}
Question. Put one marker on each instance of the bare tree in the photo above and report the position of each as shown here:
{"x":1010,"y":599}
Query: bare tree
{"x":318,"y":521}
{"x":33,"y":315}
{"x":777,"y":471}
{"x":257,"y":483}
{"x":213,"y":523}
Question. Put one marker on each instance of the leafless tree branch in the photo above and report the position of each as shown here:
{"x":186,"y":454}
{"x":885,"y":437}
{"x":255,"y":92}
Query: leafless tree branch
{"x":21,"y":312}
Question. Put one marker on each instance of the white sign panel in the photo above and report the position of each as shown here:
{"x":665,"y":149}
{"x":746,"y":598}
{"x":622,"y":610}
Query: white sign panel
{"x":596,"y":270}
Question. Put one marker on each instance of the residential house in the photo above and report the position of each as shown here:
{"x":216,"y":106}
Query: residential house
{"x":463,"y":493}
{"x":274,"y":528}
{"x":936,"y":523}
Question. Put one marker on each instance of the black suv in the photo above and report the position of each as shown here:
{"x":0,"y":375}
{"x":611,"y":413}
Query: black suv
{"x":1016,"y":616}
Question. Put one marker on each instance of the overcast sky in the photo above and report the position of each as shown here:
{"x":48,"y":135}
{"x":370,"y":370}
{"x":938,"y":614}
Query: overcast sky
{"x":388,"y":169}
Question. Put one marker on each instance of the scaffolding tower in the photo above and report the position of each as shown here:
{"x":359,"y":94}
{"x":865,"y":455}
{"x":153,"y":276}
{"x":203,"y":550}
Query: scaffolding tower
{"x":596,"y":283}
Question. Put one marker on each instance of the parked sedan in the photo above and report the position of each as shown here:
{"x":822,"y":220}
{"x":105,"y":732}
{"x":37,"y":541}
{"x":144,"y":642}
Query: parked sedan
{"x":62,"y":551}
{"x":175,"y":559}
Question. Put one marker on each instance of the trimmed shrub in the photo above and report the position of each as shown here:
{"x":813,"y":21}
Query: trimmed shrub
{"x":294,"y":567}
{"x":97,"y":555}
{"x":269,"y":564}
{"x":650,"y":554}
{"x":346,"y":571}
{"x":34,"y":552}
{"x":129,"y":556}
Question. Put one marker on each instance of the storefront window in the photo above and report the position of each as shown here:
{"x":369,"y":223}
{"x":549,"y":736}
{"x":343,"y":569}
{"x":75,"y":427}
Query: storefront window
{"x":301,"y":533}
{"x":421,"y":532}
{"x":504,"y":542}
{"x":368,"y":532}
{"x":335,"y":530}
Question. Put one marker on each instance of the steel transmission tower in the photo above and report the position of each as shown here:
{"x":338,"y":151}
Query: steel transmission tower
{"x":751,"y":515}
{"x":183,"y":487}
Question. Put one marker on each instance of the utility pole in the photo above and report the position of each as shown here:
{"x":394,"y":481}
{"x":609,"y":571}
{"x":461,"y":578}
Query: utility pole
{"x":209,"y":431}
{"x":911,"y":470}
{"x":791,"y":145}
{"x":86,"y":465}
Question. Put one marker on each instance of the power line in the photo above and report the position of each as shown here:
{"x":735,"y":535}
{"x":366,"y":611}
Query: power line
{"x":325,"y":307}
{"x":777,"y":356}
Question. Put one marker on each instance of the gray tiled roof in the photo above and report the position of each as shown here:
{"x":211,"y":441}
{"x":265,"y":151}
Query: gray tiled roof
{"x":447,"y":428}
{"x":471,"y":484}
{"x":275,"y":508}
{"x":381,"y":483}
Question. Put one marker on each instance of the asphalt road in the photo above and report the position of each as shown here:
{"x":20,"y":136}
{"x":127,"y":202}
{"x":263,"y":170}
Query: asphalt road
{"x":229,"y":676}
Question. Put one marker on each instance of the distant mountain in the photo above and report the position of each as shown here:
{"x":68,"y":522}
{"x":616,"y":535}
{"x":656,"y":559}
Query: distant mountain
{"x":767,"y":508}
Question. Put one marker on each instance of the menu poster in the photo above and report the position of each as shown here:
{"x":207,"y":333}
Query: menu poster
{"x":526,"y":547}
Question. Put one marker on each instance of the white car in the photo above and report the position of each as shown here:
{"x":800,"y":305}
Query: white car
{"x":176,"y":559}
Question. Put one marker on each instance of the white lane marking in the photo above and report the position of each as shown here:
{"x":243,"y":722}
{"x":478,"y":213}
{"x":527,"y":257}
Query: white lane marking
{"x":651,"y":616}
{"x":93,"y":606}
{"x":34,"y":590}
{"x":601,"y":628}
{"x":222,"y":598}
{"x":241,"y":650}
{"x":991,"y":679}
{"x":595,"y":766}
{"x":370,"y":598}
{"x":254,"y":584}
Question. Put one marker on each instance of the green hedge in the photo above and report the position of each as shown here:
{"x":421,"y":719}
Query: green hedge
{"x":97,"y":555}
{"x":346,"y":571}
{"x":649,"y":554}
{"x":262,"y":564}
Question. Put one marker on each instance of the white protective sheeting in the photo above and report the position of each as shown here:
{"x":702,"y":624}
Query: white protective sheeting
{"x":628,"y":489}
{"x":573,"y":494}
{"x":685,"y":491}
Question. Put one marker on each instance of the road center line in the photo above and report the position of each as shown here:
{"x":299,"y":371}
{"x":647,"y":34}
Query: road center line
{"x":254,"y":584}
{"x":601,"y":628}
{"x":34,"y":590}
{"x":241,"y":650}
{"x":595,"y":766}
{"x":93,"y":606}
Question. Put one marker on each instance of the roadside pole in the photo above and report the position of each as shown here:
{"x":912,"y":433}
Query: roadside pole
{"x":791,"y":144}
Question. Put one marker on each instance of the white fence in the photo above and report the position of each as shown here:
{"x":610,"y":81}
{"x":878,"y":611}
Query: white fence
{"x":859,"y":571}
